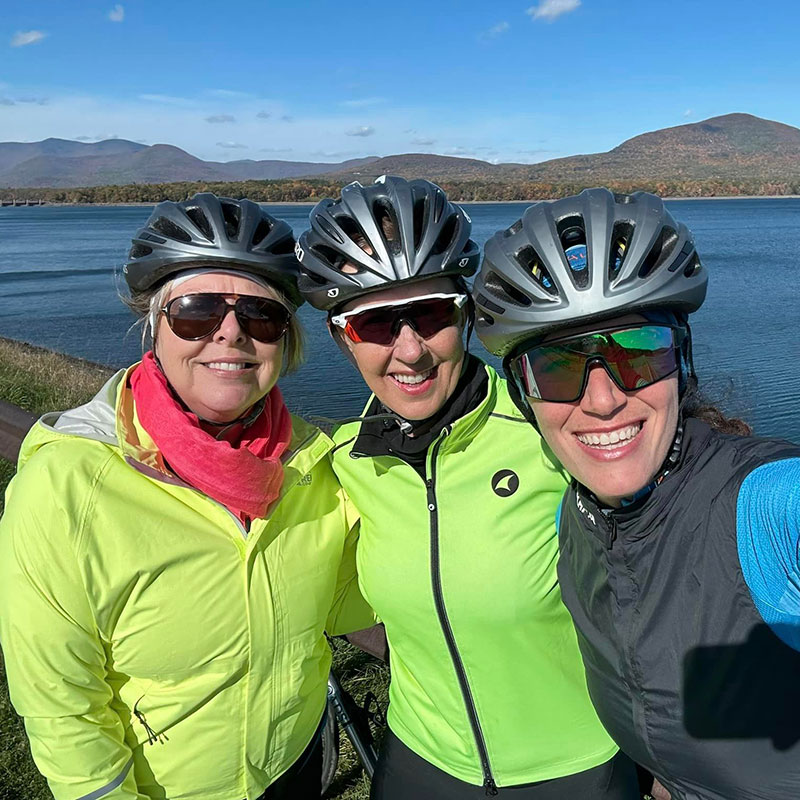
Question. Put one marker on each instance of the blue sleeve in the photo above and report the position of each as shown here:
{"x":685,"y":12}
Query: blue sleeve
{"x":768,"y":538}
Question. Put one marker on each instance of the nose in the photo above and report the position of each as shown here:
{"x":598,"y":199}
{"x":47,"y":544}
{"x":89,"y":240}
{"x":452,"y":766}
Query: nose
{"x":409,"y":347}
{"x":602,"y":397}
{"x":230,"y":330}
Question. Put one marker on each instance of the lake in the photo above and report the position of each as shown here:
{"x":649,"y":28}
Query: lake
{"x":61,"y":270}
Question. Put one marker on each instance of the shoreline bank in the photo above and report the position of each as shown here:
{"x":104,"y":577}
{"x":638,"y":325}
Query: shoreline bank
{"x":311,"y":203}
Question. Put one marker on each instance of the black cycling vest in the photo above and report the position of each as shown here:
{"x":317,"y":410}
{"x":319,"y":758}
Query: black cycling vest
{"x":683,"y":671}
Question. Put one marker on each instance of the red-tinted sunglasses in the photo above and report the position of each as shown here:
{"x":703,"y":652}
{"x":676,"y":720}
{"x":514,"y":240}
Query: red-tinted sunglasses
{"x":381,"y":323}
{"x":195,"y":316}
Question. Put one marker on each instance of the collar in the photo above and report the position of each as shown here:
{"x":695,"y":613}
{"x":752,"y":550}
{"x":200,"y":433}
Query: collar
{"x":380,"y":437}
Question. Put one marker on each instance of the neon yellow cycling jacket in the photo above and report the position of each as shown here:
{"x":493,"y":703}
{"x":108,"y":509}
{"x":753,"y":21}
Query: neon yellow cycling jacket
{"x":487,"y":680}
{"x":154,"y":647}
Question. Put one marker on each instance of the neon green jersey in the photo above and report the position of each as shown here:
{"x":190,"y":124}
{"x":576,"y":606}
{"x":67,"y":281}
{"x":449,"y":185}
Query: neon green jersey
{"x":487,"y":680}
{"x":154,"y":647}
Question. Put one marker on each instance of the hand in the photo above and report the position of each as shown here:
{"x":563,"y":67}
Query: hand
{"x":658,"y":792}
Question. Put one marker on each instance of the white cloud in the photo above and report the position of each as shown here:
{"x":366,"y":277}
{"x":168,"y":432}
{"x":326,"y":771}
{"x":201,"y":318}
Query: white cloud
{"x":217,"y":119}
{"x":84,"y":138}
{"x":688,"y":112}
{"x":458,"y":151}
{"x":361,"y":130}
{"x":275,"y":150}
{"x":39,"y":101}
{"x":423,"y":141}
{"x":263,"y":115}
{"x":232,"y":145}
{"x":21,"y":38}
{"x":287,"y":118}
{"x":117,"y":14}
{"x":552,"y":9}
{"x":6,"y":101}
{"x":68,"y":113}
{"x":363,"y":102}
{"x":495,"y":31}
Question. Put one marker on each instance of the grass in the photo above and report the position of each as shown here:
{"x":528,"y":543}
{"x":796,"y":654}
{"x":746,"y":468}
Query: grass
{"x":39,"y":380}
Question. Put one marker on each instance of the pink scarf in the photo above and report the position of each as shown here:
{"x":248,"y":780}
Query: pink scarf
{"x":245,"y":475}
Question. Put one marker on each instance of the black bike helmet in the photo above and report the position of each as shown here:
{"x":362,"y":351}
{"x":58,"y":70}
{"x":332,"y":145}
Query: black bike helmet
{"x":213,"y":231}
{"x":592,"y":256}
{"x":410,"y":228}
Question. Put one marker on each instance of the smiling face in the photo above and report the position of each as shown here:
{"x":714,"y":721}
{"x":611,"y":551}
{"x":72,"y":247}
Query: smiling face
{"x":414,"y":377}
{"x":222,"y":375}
{"x":611,"y":441}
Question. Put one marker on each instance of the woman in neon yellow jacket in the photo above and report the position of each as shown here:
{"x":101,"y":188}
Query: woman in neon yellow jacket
{"x":173,"y":551}
{"x":457,"y":550}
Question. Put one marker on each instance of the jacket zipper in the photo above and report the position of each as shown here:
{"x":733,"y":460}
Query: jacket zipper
{"x":489,"y":784}
{"x":627,"y":647}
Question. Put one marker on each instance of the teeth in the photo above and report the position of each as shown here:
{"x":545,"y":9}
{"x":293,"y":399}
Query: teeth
{"x":418,"y":377}
{"x":610,"y":440}
{"x":231,"y":366}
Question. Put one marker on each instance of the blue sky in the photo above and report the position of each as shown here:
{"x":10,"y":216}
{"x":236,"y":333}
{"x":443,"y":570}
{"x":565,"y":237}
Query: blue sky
{"x":323,"y":81}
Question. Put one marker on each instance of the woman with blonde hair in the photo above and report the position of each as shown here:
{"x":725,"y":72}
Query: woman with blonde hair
{"x":173,"y":551}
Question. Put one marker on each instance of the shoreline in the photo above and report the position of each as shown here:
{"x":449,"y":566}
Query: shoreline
{"x":311,"y":203}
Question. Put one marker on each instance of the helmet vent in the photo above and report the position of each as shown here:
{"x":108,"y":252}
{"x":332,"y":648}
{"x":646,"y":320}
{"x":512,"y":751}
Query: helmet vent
{"x":508,"y":293}
{"x":232,"y":215}
{"x":620,"y":237}
{"x":200,"y":220}
{"x":420,"y":206}
{"x":140,"y":251}
{"x":485,"y":302}
{"x":685,"y":252}
{"x":262,"y":231}
{"x":659,"y":252}
{"x":572,"y":234}
{"x":354,"y":232}
{"x":529,"y":260}
{"x":330,"y":231}
{"x":327,"y":254}
{"x":171,"y":230}
{"x":446,"y":235}
{"x":693,"y":267}
{"x":623,"y":199}
{"x":387,"y":224}
{"x":512,"y":229}
{"x":438,"y":205}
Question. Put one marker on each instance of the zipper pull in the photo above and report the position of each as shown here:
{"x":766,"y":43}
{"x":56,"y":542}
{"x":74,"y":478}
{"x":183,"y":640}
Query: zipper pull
{"x":152,"y":736}
{"x":490,"y":787}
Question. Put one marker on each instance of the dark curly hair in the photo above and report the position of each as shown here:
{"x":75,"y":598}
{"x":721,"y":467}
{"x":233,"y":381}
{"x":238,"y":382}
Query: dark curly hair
{"x":695,"y":404}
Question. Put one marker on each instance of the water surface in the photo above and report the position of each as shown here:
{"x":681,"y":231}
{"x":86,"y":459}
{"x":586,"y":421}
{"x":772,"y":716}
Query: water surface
{"x":60,"y":271}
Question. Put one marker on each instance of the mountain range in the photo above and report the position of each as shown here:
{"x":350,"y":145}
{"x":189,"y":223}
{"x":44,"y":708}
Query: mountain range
{"x":730,"y":147}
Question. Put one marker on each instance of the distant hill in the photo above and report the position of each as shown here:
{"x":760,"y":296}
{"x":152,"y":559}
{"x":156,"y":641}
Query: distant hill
{"x":735,"y":149}
{"x":61,"y":163}
{"x":422,"y":165}
{"x":13,"y":153}
{"x":730,"y":147}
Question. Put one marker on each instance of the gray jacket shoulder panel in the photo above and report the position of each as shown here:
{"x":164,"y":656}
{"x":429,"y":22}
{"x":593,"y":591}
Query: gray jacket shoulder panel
{"x":93,"y":420}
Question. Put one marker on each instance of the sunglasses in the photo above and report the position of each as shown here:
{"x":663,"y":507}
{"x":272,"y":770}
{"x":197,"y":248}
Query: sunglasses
{"x":195,"y":316}
{"x":381,"y":323}
{"x":633,"y":357}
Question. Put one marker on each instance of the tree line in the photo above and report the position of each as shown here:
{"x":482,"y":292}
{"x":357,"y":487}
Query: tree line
{"x":474,"y":190}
